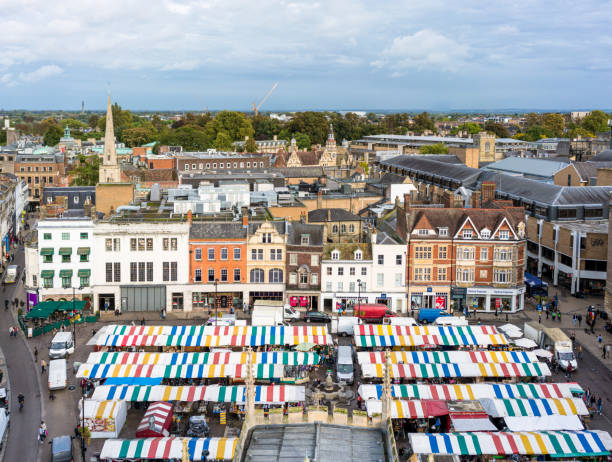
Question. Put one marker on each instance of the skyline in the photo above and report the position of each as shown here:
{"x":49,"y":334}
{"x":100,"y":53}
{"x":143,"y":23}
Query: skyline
{"x":436,"y":56}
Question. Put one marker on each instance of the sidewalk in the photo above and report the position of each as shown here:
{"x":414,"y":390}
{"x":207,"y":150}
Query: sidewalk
{"x":5,"y":383}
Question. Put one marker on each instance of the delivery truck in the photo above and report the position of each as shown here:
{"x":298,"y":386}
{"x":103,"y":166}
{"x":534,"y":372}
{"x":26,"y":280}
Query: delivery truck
{"x":554,"y":340}
{"x":11,"y":275}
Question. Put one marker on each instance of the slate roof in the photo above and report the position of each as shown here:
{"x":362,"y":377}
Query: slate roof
{"x":347,"y":250}
{"x":300,"y":172}
{"x":586,"y":170}
{"x":392,"y":178}
{"x":445,"y":170}
{"x":221,"y":231}
{"x":603,"y":156}
{"x":297,"y":229}
{"x":322,"y":215}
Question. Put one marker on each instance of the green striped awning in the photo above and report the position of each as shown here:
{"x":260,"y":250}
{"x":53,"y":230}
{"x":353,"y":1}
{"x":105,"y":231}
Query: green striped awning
{"x":66,"y":273}
{"x":46,"y":251}
{"x":83,"y":251}
{"x":65,"y":251}
{"x":46,"y":274}
{"x":84,"y":273}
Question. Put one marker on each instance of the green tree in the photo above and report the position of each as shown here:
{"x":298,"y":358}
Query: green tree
{"x":438,"y":148}
{"x":553,"y":124}
{"x":265,"y":127}
{"x":302,"y":140}
{"x":497,"y":128}
{"x":250,"y":145}
{"x":532,"y":119}
{"x":534,"y":133}
{"x":576,"y":132}
{"x":93,"y":121}
{"x":121,"y":120}
{"x":73,"y":123}
{"x":234,"y":125}
{"x":596,"y":122}
{"x":313,"y":124}
{"x":422,"y":122}
{"x":470,"y":127}
{"x":137,"y":136}
{"x":86,"y":171}
{"x":2,"y":137}
{"x":190,"y":137}
{"x":52,"y":135}
{"x":223,"y":141}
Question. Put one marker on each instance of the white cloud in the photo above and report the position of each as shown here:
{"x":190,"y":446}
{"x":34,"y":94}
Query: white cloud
{"x":425,"y":49}
{"x":41,"y":73}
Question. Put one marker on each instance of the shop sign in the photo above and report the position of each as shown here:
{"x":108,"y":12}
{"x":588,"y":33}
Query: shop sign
{"x":304,"y":301}
{"x":458,"y":292}
{"x":430,"y":289}
{"x":474,"y":291}
{"x":440,"y":303}
{"x":293,"y":301}
{"x":383,"y":295}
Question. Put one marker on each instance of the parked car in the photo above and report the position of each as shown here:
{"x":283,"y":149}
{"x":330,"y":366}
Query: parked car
{"x":316,"y":316}
{"x":61,"y":449}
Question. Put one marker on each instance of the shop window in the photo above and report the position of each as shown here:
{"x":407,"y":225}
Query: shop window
{"x":595,"y":265}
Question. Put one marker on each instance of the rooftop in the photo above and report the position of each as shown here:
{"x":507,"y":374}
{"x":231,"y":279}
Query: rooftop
{"x":527,"y":166}
{"x":322,"y":215}
{"x":416,"y":138}
{"x":320,"y":442}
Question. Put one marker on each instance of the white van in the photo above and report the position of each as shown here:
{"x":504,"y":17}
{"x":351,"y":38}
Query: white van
{"x":62,"y":345}
{"x":57,"y":374}
{"x":345,"y":325}
{"x":344,"y":365}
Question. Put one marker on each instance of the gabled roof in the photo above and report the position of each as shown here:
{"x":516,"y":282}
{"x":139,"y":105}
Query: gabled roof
{"x":278,"y":225}
{"x":297,"y":229}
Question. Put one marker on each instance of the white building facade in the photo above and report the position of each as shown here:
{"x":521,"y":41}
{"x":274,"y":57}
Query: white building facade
{"x":140,"y":266}
{"x":64,"y":260}
{"x":388,"y":281}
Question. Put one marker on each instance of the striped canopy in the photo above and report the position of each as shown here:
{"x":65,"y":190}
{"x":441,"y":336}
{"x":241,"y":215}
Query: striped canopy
{"x":554,"y":443}
{"x":418,"y":371}
{"x":169,"y":448}
{"x":393,"y":340}
{"x":533,"y":407}
{"x":473,"y":391}
{"x":223,"y":336}
{"x":444,"y":357}
{"x":264,"y":394}
{"x":107,"y":409}
{"x":440,"y":331}
{"x":289,"y":358}
{"x":101,"y":371}
{"x":160,"y":413}
{"x":409,"y":409}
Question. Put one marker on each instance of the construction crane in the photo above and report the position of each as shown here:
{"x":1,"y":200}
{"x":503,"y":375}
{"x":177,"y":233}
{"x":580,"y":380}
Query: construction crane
{"x":263,"y":100}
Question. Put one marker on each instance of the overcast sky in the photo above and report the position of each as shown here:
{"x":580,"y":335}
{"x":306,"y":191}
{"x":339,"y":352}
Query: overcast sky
{"x":327,"y":54}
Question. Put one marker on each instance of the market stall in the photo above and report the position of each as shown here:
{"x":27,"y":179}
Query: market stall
{"x":469,"y":370}
{"x":264,"y":394}
{"x":169,"y":448}
{"x":473,"y":391}
{"x":104,"y":419}
{"x":446,"y":357}
{"x":410,"y":409}
{"x":156,"y":421}
{"x":553,"y":443}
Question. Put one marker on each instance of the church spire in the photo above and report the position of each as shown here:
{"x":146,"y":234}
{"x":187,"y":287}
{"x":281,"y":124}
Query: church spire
{"x":330,"y":137}
{"x":110,"y":154}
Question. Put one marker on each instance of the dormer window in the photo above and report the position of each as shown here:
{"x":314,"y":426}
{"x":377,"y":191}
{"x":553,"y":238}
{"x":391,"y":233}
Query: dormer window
{"x":358,"y":255}
{"x":305,"y":239}
{"x":422,"y":232}
{"x":485,"y":233}
{"x":467,"y":234}
{"x":443,"y":232}
{"x":504,"y":234}
{"x":335,"y":255}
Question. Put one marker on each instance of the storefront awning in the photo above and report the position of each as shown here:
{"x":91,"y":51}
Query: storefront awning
{"x":65,"y":251}
{"x":554,"y":443}
{"x":84,"y":273}
{"x":169,"y":448}
{"x":46,"y":251}
{"x":46,"y":274}
{"x":83,"y":251}
{"x":65,"y":273}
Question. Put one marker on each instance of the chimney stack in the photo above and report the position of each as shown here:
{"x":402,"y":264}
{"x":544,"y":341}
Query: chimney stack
{"x":319,"y":199}
{"x":475,"y":200}
{"x":189,"y":217}
{"x":245,"y":218}
{"x":328,"y":214}
{"x":488,"y":191}
{"x":407,"y":200}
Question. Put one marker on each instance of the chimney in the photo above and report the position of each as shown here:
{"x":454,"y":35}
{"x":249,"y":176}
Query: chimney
{"x":407,"y":200}
{"x":488,"y":191}
{"x":319,"y":199}
{"x":475,"y":200}
{"x":328,"y":214}
{"x":373,"y":235}
{"x":245,"y":218}
{"x":189,"y":217}
{"x":397,"y":202}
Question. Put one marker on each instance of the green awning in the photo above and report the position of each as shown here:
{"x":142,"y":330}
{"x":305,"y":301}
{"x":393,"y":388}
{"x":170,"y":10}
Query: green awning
{"x":65,"y":251}
{"x":45,"y":309}
{"x":84,"y":273}
{"x":46,"y":274}
{"x":46,"y":251}
{"x":83,"y":251}
{"x":65,"y":273}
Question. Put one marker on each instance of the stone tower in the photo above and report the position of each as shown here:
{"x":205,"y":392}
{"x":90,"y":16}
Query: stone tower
{"x":486,"y":146}
{"x":109,"y":169}
{"x":330,"y":145}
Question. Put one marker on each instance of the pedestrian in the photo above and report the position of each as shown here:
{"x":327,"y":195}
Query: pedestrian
{"x":599,"y":405}
{"x":568,"y":372}
{"x":142,"y":322}
{"x":36,"y":354}
{"x":43,"y":366}
{"x":579,"y":320}
{"x":42,"y":432}
{"x":575,"y":320}
{"x":553,"y":316}
{"x":580,"y":352}
{"x":599,"y":338}
{"x":559,"y":316}
{"x":546,"y":313}
{"x":603,"y":352}
{"x":539,"y":318}
{"x":608,"y":351}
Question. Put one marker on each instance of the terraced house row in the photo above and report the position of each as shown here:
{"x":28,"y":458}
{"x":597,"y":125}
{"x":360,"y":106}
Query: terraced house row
{"x":148,"y":258}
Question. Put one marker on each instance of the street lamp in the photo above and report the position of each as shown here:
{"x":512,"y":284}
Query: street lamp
{"x":74,"y":314}
{"x":358,"y":295}
{"x":83,"y":448}
{"x":216,"y":305}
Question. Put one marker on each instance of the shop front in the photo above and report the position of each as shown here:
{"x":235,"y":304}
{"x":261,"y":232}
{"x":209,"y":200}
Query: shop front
{"x":225,"y":300}
{"x":303,"y":301}
{"x":490,"y":299}
{"x":430,"y":297}
{"x":458,"y":298}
